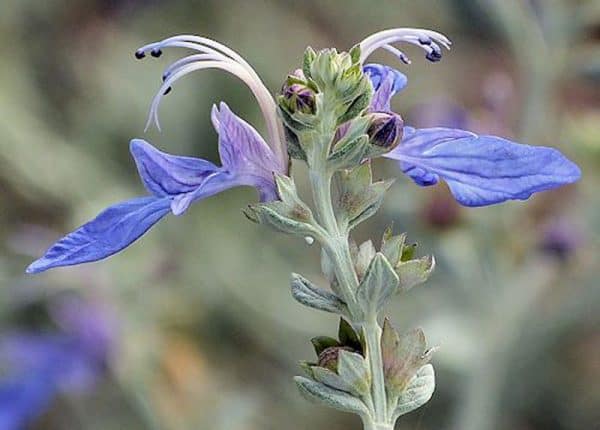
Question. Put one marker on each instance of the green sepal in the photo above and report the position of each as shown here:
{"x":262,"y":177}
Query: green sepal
{"x":348,"y":336}
{"x":417,"y":393}
{"x":393,"y":246}
{"x":332,"y":379}
{"x":354,"y":371}
{"x":410,"y":271}
{"x":294,"y":149}
{"x":364,"y":256}
{"x":308,"y":294}
{"x":289,"y":214}
{"x":321,"y":343}
{"x":355,"y":54}
{"x":356,"y":196}
{"x":408,"y":252}
{"x":320,"y":393}
{"x":378,"y":285}
{"x":415,"y":272}
{"x":402,"y":357}
{"x":306,"y":367}
{"x":352,"y":148}
{"x":356,"y":108}
{"x":309,"y":57}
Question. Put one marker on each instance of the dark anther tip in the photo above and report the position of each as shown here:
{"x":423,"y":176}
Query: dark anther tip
{"x":424,"y":40}
{"x":140,"y":54}
{"x":156,"y":53}
{"x":434,"y":56}
{"x":167,"y":91}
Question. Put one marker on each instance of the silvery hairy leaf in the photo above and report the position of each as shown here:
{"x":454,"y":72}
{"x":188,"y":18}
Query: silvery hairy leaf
{"x":414,"y":272}
{"x":289,"y":214}
{"x":379,"y":283}
{"x":331,"y":379}
{"x":322,"y":394}
{"x":308,"y":294}
{"x":354,"y":371}
{"x":417,"y":393}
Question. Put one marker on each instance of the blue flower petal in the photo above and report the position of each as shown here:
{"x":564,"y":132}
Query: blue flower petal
{"x":386,"y":82}
{"x":168,"y":175}
{"x":111,"y":231}
{"x":241,"y":148}
{"x":481,"y":170}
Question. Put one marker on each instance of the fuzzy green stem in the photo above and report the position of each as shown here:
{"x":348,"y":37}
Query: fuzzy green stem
{"x":338,"y":249}
{"x":373,"y":338}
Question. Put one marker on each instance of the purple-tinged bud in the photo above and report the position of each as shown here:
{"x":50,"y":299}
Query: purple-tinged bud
{"x":385,"y":130}
{"x":156,"y":52}
{"x":298,"y":95}
{"x":329,"y":357}
{"x":139,"y":54}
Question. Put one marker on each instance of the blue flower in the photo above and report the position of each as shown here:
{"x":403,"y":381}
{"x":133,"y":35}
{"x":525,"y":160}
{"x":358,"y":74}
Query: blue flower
{"x":36,"y":366}
{"x":479,"y":170}
{"x":174,"y":183}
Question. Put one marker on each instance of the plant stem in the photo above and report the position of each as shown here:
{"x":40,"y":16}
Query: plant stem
{"x":338,"y":249}
{"x":373,"y":338}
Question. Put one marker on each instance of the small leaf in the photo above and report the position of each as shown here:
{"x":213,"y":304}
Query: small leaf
{"x":347,"y":335}
{"x":289,"y":214}
{"x":354,"y":371}
{"x":356,"y":196}
{"x":333,"y":398}
{"x":402,"y":356}
{"x":392,"y":246}
{"x":332,"y":379}
{"x":414,"y":272}
{"x":417,"y":393}
{"x":321,"y":343}
{"x":312,"y":296}
{"x":379,"y":283}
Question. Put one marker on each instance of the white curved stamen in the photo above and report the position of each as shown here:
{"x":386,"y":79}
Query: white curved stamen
{"x":397,"y":53}
{"x":217,"y":56}
{"x":188,"y":60}
{"x":414,"y":36}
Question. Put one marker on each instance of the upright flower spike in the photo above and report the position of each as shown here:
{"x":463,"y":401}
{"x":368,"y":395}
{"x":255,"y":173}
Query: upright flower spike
{"x":174,"y":183}
{"x":479,"y":170}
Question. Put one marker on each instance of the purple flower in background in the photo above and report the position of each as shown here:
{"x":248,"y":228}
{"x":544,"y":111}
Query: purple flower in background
{"x":37,"y":366}
{"x":175,"y":182}
{"x":479,"y":170}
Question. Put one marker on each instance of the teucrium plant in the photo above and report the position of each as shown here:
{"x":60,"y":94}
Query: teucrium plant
{"x":334,"y":114}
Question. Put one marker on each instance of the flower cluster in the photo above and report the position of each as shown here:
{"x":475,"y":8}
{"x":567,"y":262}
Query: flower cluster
{"x":479,"y":170}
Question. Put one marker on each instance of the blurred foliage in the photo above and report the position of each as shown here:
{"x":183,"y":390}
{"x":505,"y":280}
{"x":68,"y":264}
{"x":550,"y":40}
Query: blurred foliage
{"x":208,"y":333}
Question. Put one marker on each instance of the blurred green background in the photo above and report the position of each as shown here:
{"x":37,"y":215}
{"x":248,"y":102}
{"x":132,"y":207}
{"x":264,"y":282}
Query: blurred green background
{"x":204,"y":333}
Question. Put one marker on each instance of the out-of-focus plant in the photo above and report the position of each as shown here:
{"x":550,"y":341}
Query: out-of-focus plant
{"x":333,"y":114}
{"x":37,"y":365}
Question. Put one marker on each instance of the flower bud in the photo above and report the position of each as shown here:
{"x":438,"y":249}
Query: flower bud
{"x":385,"y":130}
{"x":328,"y":358}
{"x":298,"y":96}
